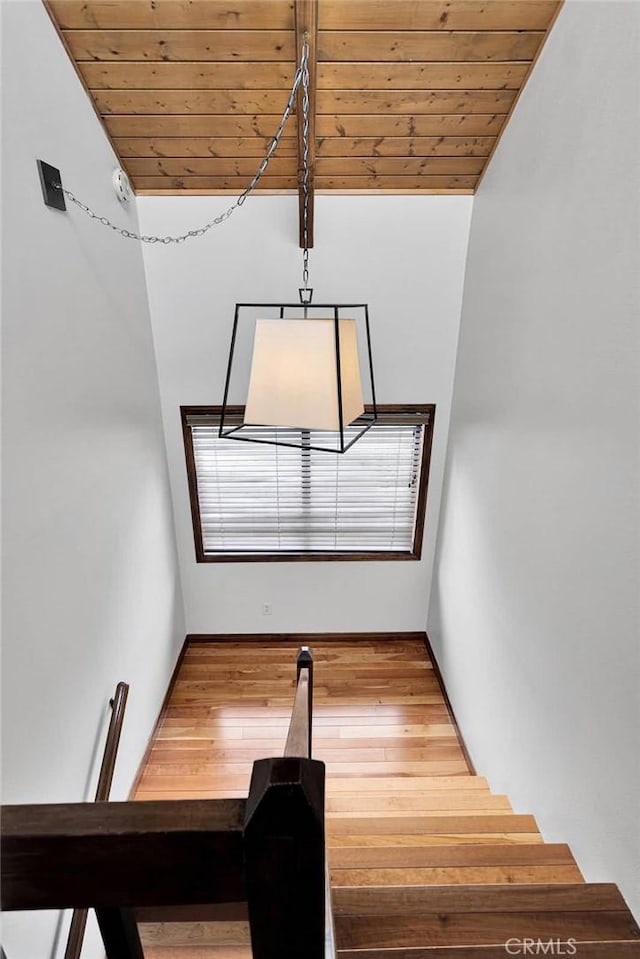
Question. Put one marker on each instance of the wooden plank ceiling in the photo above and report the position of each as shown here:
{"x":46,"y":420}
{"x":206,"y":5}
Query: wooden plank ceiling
{"x":412,"y":95}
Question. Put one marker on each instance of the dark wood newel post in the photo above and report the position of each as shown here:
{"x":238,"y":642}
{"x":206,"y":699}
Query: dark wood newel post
{"x":285,"y":858}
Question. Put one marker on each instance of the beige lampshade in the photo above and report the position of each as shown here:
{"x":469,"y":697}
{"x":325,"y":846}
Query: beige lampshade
{"x":293,"y":375}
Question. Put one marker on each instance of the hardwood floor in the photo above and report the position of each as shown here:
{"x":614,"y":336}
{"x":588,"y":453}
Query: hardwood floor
{"x":420,"y":851}
{"x":378,"y":712}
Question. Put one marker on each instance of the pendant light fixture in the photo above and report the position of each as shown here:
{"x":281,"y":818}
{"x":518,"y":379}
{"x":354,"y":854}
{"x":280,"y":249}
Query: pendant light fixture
{"x":303,"y":383}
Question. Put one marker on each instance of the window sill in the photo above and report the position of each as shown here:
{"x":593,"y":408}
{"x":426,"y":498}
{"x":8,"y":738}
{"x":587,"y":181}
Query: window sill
{"x":305,"y":557}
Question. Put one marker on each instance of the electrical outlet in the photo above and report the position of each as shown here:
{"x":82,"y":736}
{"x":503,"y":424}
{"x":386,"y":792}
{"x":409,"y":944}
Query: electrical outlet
{"x":266,"y":609}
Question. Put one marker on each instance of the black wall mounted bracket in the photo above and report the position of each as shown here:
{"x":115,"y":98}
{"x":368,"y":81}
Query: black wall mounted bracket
{"x":51,"y":183}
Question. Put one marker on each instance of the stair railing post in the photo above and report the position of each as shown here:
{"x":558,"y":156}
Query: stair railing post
{"x":285,"y":859}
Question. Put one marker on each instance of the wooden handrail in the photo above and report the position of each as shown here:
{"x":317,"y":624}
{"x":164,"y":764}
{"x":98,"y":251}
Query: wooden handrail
{"x":122,"y":854}
{"x":121,"y":857}
{"x":118,"y":705}
{"x":299,"y":737}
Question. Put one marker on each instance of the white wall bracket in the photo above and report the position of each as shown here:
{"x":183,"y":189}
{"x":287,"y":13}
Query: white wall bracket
{"x":122,"y":186}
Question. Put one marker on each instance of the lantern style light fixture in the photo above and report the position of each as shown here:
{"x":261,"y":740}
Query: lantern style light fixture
{"x":305,"y":380}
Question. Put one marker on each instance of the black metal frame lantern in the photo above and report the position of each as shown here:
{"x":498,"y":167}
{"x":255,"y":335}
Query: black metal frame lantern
{"x":286,"y":435}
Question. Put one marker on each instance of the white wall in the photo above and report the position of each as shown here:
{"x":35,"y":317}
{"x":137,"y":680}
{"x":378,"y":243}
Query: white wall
{"x":402,"y":255}
{"x":534,"y":613}
{"x":91,"y":587}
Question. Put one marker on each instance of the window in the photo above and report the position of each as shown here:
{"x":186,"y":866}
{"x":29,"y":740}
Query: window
{"x":253,"y":501}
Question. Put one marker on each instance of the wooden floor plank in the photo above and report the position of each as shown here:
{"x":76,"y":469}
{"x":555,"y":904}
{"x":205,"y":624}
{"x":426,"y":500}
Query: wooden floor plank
{"x":335,"y":655}
{"x":239,"y":788}
{"x":345,"y":750}
{"x":329,"y":738}
{"x":258,"y":698}
{"x":212,"y":775}
{"x":194,"y":934}
{"x":369,"y":708}
{"x":160,"y":951}
{"x":352,"y":717}
{"x":228,"y":672}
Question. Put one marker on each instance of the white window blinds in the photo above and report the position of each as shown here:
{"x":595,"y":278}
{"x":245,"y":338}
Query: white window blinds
{"x":255,"y":498}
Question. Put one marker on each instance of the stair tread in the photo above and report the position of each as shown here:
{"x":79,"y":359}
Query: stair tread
{"x":620,"y":949}
{"x":455,"y":875}
{"x":415,"y":916}
{"x":380,"y":857}
{"x":443,"y":839}
{"x":474,"y":928}
{"x":449,"y":799}
{"x":402,"y":784}
{"x":419,"y":900}
{"x":431,"y":825}
{"x":442,"y":809}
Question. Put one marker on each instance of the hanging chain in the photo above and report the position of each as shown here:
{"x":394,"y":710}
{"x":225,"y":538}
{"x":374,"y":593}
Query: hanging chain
{"x":304,"y":67}
{"x":301,"y":71}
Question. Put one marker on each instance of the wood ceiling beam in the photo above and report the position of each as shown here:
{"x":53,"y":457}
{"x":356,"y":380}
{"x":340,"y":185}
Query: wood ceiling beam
{"x":306,"y":22}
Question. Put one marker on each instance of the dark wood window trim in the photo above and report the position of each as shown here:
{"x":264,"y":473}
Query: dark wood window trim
{"x":424,"y":413}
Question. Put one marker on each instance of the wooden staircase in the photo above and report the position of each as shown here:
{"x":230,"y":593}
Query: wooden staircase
{"x":446,"y":869}
{"x":424,"y":860}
